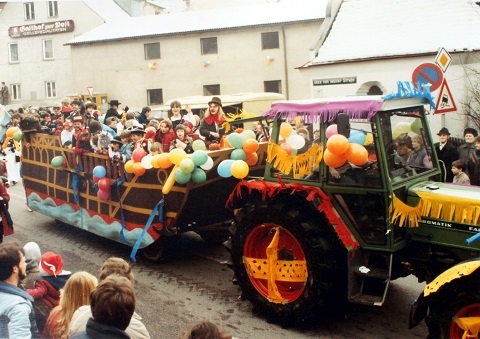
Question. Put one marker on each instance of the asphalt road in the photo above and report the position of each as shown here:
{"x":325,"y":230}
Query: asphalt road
{"x":195,"y":284}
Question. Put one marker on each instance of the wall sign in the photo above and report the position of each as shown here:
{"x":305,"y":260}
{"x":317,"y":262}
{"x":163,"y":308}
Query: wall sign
{"x":41,"y":29}
{"x":334,"y":81}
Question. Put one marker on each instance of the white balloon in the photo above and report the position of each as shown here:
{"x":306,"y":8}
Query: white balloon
{"x":296,"y":141}
{"x":208,"y":165}
{"x":247,"y":134}
{"x":147,"y":161}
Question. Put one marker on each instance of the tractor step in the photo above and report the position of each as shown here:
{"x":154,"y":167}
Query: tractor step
{"x":367,"y":299}
{"x":372,"y":273}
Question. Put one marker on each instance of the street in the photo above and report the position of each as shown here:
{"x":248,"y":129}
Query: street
{"x":195,"y":283}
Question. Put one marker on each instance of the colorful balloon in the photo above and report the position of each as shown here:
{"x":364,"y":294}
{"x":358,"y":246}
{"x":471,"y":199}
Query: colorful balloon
{"x":337,"y":144}
{"x":252,"y":159}
{"x":333,"y":160}
{"x":416,"y":126}
{"x":296,"y":141}
{"x":138,"y":169}
{"x":286,"y":147}
{"x":198,"y":145}
{"x":208,"y":165}
{"x":177,"y":155}
{"x":104,"y":184}
{"x":357,"y":154}
{"x":138,"y":154}
{"x":18,"y":136}
{"x":57,"y":161}
{"x":181,"y":177}
{"x":285,"y":130}
{"x":235,"y":140}
{"x":187,"y":165}
{"x":199,"y":176}
{"x":167,"y":186}
{"x":247,"y":135}
{"x":103,"y":195}
{"x":239,"y":169}
{"x":224,"y":169}
{"x":199,"y":157}
{"x":99,"y":171}
{"x":331,"y":130}
{"x":250,"y":145}
{"x":401,"y":128}
{"x":154,"y":160}
{"x":147,"y":161}
{"x":368,"y":139}
{"x":11,"y":131}
{"x":129,"y":166}
{"x":238,"y":154}
{"x":164,"y":161}
{"x":357,"y":137}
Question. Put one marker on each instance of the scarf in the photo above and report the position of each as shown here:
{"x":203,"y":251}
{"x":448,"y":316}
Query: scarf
{"x":214,"y":118}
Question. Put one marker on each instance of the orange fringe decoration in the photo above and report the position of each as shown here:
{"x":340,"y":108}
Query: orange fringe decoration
{"x":300,"y":165}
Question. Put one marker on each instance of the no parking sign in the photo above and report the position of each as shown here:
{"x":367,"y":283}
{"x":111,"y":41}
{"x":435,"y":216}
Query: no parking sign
{"x":428,"y":73}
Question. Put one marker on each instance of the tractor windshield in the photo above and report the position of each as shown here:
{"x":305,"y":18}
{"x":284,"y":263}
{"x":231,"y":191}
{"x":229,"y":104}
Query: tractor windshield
{"x":407,"y":143}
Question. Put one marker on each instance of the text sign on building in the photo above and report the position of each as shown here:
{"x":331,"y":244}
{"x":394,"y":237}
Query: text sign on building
{"x":334,"y":81}
{"x":41,"y":29}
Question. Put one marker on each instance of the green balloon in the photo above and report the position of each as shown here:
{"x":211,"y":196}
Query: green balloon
{"x":57,"y":161}
{"x":416,"y":126}
{"x":181,"y":177}
{"x":238,"y":154}
{"x":18,"y":136}
{"x":198,"y":145}
{"x":199,"y":157}
{"x":199,"y":175}
{"x":187,"y":165}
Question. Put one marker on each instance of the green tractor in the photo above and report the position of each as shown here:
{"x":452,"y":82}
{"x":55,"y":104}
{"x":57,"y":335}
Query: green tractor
{"x":350,"y":200}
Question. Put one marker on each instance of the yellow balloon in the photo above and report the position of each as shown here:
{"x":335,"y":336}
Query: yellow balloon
{"x":368,"y":139}
{"x":167,"y":186}
{"x":239,"y":169}
{"x":129,"y":166}
{"x":154,"y":161}
{"x":11,"y":131}
{"x":285,"y":130}
{"x":177,"y":155}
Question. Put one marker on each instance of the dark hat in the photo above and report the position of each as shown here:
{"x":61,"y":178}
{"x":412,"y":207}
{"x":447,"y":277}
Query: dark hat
{"x":216,"y":100}
{"x":443,"y":131}
{"x":114,"y":102}
{"x":470,"y":130}
{"x":116,"y":140}
{"x":136,"y":130}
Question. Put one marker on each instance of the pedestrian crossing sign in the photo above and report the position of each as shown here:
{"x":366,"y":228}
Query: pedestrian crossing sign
{"x":445,"y":102}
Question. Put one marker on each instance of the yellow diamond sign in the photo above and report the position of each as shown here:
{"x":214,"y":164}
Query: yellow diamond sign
{"x":443,"y":59}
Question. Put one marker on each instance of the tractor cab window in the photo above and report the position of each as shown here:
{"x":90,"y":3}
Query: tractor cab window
{"x":408,"y":145}
{"x":352,"y":159}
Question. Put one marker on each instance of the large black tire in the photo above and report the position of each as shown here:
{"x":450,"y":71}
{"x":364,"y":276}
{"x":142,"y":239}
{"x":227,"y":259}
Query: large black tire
{"x":154,"y":252}
{"x":461,"y":299}
{"x":324,"y":255}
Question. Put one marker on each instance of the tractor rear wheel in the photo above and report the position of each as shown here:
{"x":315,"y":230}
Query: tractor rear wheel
{"x":465,"y":305}
{"x":288,"y":260}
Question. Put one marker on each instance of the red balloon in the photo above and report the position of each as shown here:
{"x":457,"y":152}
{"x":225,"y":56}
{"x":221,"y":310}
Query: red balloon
{"x":104,"y":184}
{"x":138,"y":154}
{"x":286,"y":147}
{"x":95,"y":179}
{"x":103,"y":195}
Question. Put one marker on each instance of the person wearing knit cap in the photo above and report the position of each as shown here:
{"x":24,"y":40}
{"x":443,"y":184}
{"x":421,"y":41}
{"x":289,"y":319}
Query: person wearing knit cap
{"x":32,"y":258}
{"x":53,"y":278}
{"x":447,"y":153}
{"x":211,"y":125}
{"x":165,"y":134}
{"x":467,"y":150}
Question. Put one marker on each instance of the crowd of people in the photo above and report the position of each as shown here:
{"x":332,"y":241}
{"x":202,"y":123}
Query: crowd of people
{"x":39,"y":299}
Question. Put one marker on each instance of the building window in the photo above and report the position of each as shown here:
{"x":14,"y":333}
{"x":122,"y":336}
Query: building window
{"x":47,"y":50}
{"x":209,"y":45}
{"x":211,"y":90}
{"x":15,"y":92}
{"x":50,"y":91}
{"x":13,"y":52}
{"x":52,"y":9}
{"x":155,"y":96}
{"x":29,"y":10}
{"x":274,"y":86}
{"x":270,"y":40}
{"x":152,"y":51}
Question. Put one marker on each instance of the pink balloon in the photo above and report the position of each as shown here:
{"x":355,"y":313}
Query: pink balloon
{"x":103,"y":195}
{"x":138,"y":154}
{"x":286,"y":147}
{"x":331,"y":130}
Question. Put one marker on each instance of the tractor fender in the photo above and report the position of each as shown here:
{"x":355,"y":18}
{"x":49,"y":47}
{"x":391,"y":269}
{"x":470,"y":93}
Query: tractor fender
{"x":419,"y":308}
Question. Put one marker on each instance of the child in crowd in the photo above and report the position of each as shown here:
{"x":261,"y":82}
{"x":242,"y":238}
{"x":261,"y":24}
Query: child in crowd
{"x":46,"y":123}
{"x":58,"y":128}
{"x":150,"y":133}
{"x":47,"y":287}
{"x":190,"y":131}
{"x":126,"y":148}
{"x":83,"y":143}
{"x":90,"y":108}
{"x":112,"y":123}
{"x":79,"y":126}
{"x":138,"y":138}
{"x":66,"y":136}
{"x":114,"y":150}
{"x":66,"y":108}
{"x":156,"y":148}
{"x":165,"y":134}
{"x":32,"y":259}
{"x":205,"y":330}
{"x":460,"y":177}
{"x":78,"y":109}
{"x":182,"y":141}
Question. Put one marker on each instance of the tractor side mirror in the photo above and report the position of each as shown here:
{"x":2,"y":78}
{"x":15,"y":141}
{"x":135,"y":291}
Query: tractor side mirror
{"x":343,"y":124}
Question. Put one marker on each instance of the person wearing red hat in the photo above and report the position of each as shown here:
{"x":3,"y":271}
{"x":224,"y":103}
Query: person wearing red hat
{"x":165,"y":134}
{"x":211,"y":125}
{"x":47,"y":287}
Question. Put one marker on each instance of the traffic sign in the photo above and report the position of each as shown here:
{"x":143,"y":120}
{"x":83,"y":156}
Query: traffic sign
{"x":443,"y":59}
{"x":445,"y":101}
{"x":428,"y":73}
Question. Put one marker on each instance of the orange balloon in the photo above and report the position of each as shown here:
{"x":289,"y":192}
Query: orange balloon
{"x":129,"y":166}
{"x":337,"y":144}
{"x":285,"y":130}
{"x":164,"y":161}
{"x":11,"y":131}
{"x":226,"y":144}
{"x":333,"y":160}
{"x":250,"y":146}
{"x":251,"y":159}
{"x":357,"y":154}
{"x":155,"y":160}
{"x":138,"y":169}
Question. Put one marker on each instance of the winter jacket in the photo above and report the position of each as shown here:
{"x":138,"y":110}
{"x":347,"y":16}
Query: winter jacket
{"x":47,"y":288}
{"x":6,"y":220}
{"x":165,"y":139}
{"x":447,"y":154}
{"x":136,"y":329}
{"x":96,"y":330}
{"x":17,"y":318}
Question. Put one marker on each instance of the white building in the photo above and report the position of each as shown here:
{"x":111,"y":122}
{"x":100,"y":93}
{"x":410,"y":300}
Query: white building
{"x":368,"y":45}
